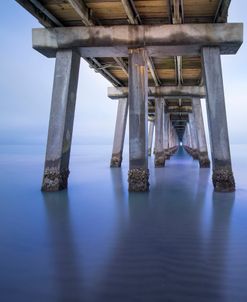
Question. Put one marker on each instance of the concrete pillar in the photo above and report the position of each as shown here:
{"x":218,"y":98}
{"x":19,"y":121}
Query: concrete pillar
{"x":202,"y":143}
{"x":159,"y":133}
{"x":188,"y":145}
{"x":166,"y":135}
{"x":56,"y":169}
{"x":175,"y":142}
{"x":223,"y":178}
{"x":194,"y":139}
{"x":169,"y":137}
{"x":171,"y":141}
{"x":189,"y":135}
{"x":138,"y":121}
{"x":150,"y":137}
{"x":119,"y":134}
{"x":186,"y":136}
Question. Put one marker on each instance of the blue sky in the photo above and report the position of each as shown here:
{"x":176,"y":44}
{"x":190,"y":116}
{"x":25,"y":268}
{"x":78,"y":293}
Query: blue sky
{"x":26,"y":85}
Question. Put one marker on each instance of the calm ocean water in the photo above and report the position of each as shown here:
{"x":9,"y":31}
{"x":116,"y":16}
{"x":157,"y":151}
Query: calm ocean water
{"x":95,"y":242}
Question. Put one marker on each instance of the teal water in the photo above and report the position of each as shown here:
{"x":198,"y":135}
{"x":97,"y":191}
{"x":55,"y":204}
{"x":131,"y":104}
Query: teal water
{"x":95,"y":242}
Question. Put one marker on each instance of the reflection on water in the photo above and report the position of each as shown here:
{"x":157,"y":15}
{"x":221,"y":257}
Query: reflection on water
{"x":62,"y":247}
{"x":95,"y":242}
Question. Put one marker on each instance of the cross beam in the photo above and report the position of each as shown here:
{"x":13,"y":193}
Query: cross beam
{"x":159,"y":40}
{"x":163,"y":91}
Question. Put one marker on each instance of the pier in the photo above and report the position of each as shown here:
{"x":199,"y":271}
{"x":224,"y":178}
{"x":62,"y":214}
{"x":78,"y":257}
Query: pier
{"x":162,"y":58}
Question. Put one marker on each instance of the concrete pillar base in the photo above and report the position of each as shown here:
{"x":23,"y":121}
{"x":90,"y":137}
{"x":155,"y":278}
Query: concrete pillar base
{"x":186,"y":148}
{"x":195,"y":154}
{"x":192,"y":152}
{"x":223,"y":179}
{"x":167,"y":154}
{"x":174,"y":150}
{"x":204,"y":160}
{"x":159,"y":159}
{"x":138,"y":180}
{"x":55,"y":180}
{"x":116,"y":161}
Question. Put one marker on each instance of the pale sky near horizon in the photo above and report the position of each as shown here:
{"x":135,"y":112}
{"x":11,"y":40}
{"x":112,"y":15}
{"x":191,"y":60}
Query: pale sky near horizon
{"x":26,"y":85}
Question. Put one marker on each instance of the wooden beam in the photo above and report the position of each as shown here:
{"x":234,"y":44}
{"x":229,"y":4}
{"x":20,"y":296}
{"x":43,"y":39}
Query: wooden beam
{"x":153,"y":71}
{"x":48,"y":20}
{"x":177,"y":18}
{"x":106,"y":73}
{"x":222,"y":11}
{"x":36,"y":9}
{"x":179,"y":70}
{"x":129,"y":12}
{"x":122,"y":64}
{"x":169,"y":5}
{"x":83,"y":11}
{"x":162,"y":91}
{"x":133,"y":20}
{"x":158,"y":40}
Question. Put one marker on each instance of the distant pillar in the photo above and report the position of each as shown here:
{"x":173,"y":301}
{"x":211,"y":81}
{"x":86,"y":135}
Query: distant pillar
{"x":194,"y":138}
{"x":61,"y":120}
{"x":166,"y":136}
{"x":223,"y":178}
{"x":189,"y":135}
{"x":202,"y":143}
{"x":138,"y":121}
{"x":159,"y":133}
{"x":188,"y":145}
{"x":150,"y":137}
{"x":174,"y":139}
{"x":184,"y":138}
{"x":119,"y":134}
{"x":169,"y":136}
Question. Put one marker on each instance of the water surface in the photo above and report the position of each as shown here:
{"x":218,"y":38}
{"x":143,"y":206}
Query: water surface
{"x":96,"y":242}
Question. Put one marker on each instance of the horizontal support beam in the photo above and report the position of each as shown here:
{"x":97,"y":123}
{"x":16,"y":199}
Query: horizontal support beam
{"x":186,"y":109}
{"x":163,"y":91}
{"x":159,"y":40}
{"x":179,"y":118}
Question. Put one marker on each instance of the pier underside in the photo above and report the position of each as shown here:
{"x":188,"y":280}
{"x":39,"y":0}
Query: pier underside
{"x":161,"y":57}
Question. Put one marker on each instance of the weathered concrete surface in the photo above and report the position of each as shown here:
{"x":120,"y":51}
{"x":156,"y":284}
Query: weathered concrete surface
{"x":194,"y":136}
{"x":202,"y":143}
{"x":188,"y":145}
{"x":166,"y":136}
{"x":170,"y":143}
{"x":138,"y":121}
{"x":159,"y":159}
{"x":187,"y":139}
{"x":158,"y":40}
{"x":159,"y":92}
{"x":223,"y":179}
{"x":119,"y":134}
{"x":172,"y":140}
{"x":150,"y":137}
{"x":61,"y":121}
{"x":204,"y":161}
{"x":138,"y":180}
